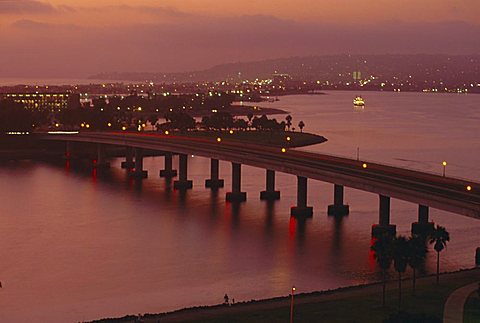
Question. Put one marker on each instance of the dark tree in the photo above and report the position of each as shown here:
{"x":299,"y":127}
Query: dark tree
{"x":289,"y":121}
{"x":382,"y":248}
{"x":301,"y":124}
{"x":400,"y":253}
{"x":417,"y":255}
{"x":439,"y":237}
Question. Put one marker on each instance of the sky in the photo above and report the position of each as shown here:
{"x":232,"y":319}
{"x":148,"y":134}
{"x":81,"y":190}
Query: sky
{"x":71,"y":38}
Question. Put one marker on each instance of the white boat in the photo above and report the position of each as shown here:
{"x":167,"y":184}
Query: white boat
{"x":358,"y":101}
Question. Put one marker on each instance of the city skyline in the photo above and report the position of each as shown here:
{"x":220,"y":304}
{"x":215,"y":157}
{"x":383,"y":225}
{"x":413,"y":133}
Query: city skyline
{"x":63,"y":39}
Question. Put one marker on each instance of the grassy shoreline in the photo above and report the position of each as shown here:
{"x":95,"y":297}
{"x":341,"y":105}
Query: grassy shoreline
{"x":361,"y":303}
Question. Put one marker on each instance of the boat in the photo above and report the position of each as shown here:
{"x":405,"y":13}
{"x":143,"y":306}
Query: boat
{"x":358,"y":101}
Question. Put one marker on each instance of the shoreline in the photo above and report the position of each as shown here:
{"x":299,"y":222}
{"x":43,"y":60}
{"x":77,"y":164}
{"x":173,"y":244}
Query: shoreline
{"x":231,"y":312}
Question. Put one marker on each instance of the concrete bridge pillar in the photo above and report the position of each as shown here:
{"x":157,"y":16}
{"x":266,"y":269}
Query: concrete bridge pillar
{"x":236,"y":195}
{"x":214,"y":182}
{"x":128,"y":163}
{"x":168,"y":172}
{"x":183,"y":182}
{"x":301,"y":210}
{"x":422,"y":227}
{"x":270,"y":194}
{"x":101,"y":162}
{"x":139,"y":172}
{"x":384,"y":225}
{"x":338,"y":208}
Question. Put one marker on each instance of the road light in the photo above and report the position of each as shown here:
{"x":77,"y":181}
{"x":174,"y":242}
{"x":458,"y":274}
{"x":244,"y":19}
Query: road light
{"x":444,"y":164}
{"x":291,"y":305}
{"x":219,"y":139}
{"x":288,"y":138}
{"x":469,"y":188}
{"x":364,"y":165}
{"x":166,"y":132}
{"x":231,"y":132}
{"x":284,"y":150}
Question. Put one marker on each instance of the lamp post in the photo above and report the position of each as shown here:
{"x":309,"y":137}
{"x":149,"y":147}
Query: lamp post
{"x":291,"y":305}
{"x":444,"y":164}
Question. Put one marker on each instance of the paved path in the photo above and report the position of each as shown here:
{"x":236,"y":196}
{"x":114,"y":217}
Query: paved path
{"x":453,"y":311}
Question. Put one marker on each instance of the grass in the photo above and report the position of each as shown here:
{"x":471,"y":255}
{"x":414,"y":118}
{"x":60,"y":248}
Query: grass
{"x":270,"y":138}
{"x":472,"y":309}
{"x":352,"y":304}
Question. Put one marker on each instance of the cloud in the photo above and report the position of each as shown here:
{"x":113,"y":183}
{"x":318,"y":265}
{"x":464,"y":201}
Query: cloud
{"x":35,"y":26}
{"x":201,"y":42}
{"x":25,"y":6}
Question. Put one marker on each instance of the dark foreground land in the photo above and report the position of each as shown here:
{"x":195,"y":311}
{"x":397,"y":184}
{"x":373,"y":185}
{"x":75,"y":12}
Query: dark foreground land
{"x":352,"y":304}
{"x":277,"y":139}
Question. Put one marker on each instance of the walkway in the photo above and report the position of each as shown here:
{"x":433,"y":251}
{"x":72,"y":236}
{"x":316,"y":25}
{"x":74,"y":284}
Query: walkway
{"x":453,"y":311}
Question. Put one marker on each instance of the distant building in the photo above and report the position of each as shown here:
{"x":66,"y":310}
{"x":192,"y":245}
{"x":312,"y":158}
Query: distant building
{"x":44,"y":101}
{"x":281,"y":79}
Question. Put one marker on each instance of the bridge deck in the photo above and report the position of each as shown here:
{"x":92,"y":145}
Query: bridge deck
{"x":439,"y":192}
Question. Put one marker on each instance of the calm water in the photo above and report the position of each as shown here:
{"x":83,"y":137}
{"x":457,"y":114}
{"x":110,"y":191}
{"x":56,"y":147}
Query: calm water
{"x":77,"y":245}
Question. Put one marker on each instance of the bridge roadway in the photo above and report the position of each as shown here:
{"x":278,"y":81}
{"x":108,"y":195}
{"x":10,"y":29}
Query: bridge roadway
{"x":444,"y":193}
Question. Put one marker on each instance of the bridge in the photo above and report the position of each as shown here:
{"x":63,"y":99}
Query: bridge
{"x":426,"y":190}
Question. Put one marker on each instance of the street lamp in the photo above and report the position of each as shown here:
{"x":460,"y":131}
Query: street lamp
{"x":444,"y":164}
{"x":291,"y":305}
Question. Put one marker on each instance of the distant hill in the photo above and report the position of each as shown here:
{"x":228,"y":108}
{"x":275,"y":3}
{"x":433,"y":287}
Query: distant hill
{"x":431,"y":68}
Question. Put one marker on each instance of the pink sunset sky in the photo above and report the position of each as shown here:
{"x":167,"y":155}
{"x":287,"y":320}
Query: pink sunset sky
{"x":67,"y":38}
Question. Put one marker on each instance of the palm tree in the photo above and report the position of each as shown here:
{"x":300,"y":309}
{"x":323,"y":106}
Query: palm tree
{"x":400,"y":253}
{"x":439,"y":237}
{"x":301,"y":124}
{"x":417,"y":255}
{"x":289,"y":121}
{"x":382,"y":248}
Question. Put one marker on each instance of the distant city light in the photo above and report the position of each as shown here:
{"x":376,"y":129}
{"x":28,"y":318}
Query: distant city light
{"x":219,"y":139}
{"x":364,"y":165}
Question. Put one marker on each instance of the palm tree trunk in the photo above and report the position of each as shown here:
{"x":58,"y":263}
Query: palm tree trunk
{"x":399,"y":290}
{"x":438,"y":267}
{"x":414,"y":280}
{"x":384,"y":285}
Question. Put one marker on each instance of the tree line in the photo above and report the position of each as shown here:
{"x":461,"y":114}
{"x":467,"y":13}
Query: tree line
{"x":403,"y":252}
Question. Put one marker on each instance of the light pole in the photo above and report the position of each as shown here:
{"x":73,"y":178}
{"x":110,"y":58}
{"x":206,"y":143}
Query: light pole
{"x":444,"y":164}
{"x":358,"y":153}
{"x":291,"y":305}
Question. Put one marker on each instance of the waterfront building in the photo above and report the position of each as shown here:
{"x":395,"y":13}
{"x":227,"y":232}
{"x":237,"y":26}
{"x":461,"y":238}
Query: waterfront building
{"x":44,"y":101}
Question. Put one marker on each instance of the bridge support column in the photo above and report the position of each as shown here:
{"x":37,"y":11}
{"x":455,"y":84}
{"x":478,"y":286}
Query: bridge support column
{"x":422,"y":227}
{"x":270,"y":194}
{"x":214,"y":182}
{"x":301,"y":210}
{"x":128,"y":163}
{"x":101,"y":162}
{"x":338,"y":208}
{"x":183,"y":182}
{"x":236,"y":195}
{"x":384,"y":225}
{"x":139,"y":172}
{"x":168,"y":172}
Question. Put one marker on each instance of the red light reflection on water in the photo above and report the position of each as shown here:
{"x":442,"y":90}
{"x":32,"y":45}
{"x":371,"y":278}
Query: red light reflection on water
{"x":94,"y":175}
{"x":292,"y":227}
{"x":67,"y":166}
{"x":372,"y":262}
